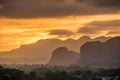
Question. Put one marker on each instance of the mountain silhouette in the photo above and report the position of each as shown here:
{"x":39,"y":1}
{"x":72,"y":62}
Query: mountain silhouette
{"x":100,"y":53}
{"x":62,"y":56}
{"x":40,"y":52}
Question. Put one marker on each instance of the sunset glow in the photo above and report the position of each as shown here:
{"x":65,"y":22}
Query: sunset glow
{"x":26,"y":31}
{"x":25,"y":22}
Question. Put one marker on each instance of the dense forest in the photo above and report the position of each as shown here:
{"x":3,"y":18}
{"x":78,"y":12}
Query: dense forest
{"x":49,"y":74}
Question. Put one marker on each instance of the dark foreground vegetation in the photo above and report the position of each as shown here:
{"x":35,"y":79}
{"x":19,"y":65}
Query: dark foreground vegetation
{"x":16,"y":74}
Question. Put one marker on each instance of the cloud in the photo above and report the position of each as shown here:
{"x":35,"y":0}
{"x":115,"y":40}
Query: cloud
{"x":35,"y":8}
{"x":114,"y":32}
{"x":101,"y":3}
{"x":57,"y":8}
{"x":106,"y":3}
{"x":2,"y":1}
{"x":61,"y":32}
{"x":100,"y":26}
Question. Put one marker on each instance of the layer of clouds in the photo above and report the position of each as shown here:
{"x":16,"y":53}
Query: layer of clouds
{"x":96,"y":27}
{"x":57,"y":8}
{"x":61,"y":32}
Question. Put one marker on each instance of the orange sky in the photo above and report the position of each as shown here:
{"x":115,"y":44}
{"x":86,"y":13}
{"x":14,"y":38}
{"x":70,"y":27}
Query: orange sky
{"x":15,"y":32}
{"x":27,"y":21}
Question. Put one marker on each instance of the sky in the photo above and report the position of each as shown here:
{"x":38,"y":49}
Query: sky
{"x":27,"y":21}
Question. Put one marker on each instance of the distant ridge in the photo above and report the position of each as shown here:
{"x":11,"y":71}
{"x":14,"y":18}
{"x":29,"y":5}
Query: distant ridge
{"x":100,"y":53}
{"x":40,"y":52}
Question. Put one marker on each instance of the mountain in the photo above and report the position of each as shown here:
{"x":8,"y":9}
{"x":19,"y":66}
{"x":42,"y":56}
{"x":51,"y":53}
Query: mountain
{"x":62,"y":56}
{"x":100,"y":53}
{"x":40,"y":52}
{"x":101,"y":38}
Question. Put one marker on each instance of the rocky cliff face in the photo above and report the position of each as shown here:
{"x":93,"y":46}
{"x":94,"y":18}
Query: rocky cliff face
{"x":100,"y":53}
{"x":62,"y":56}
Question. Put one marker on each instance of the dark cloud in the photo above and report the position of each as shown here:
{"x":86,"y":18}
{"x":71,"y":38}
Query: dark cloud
{"x":57,"y":8}
{"x":105,"y":24}
{"x":106,"y":3}
{"x":99,"y":26}
{"x":61,"y":32}
{"x":2,"y":1}
{"x":36,"y":8}
{"x":101,"y":3}
{"x":87,"y":30}
{"x":113,"y":32}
